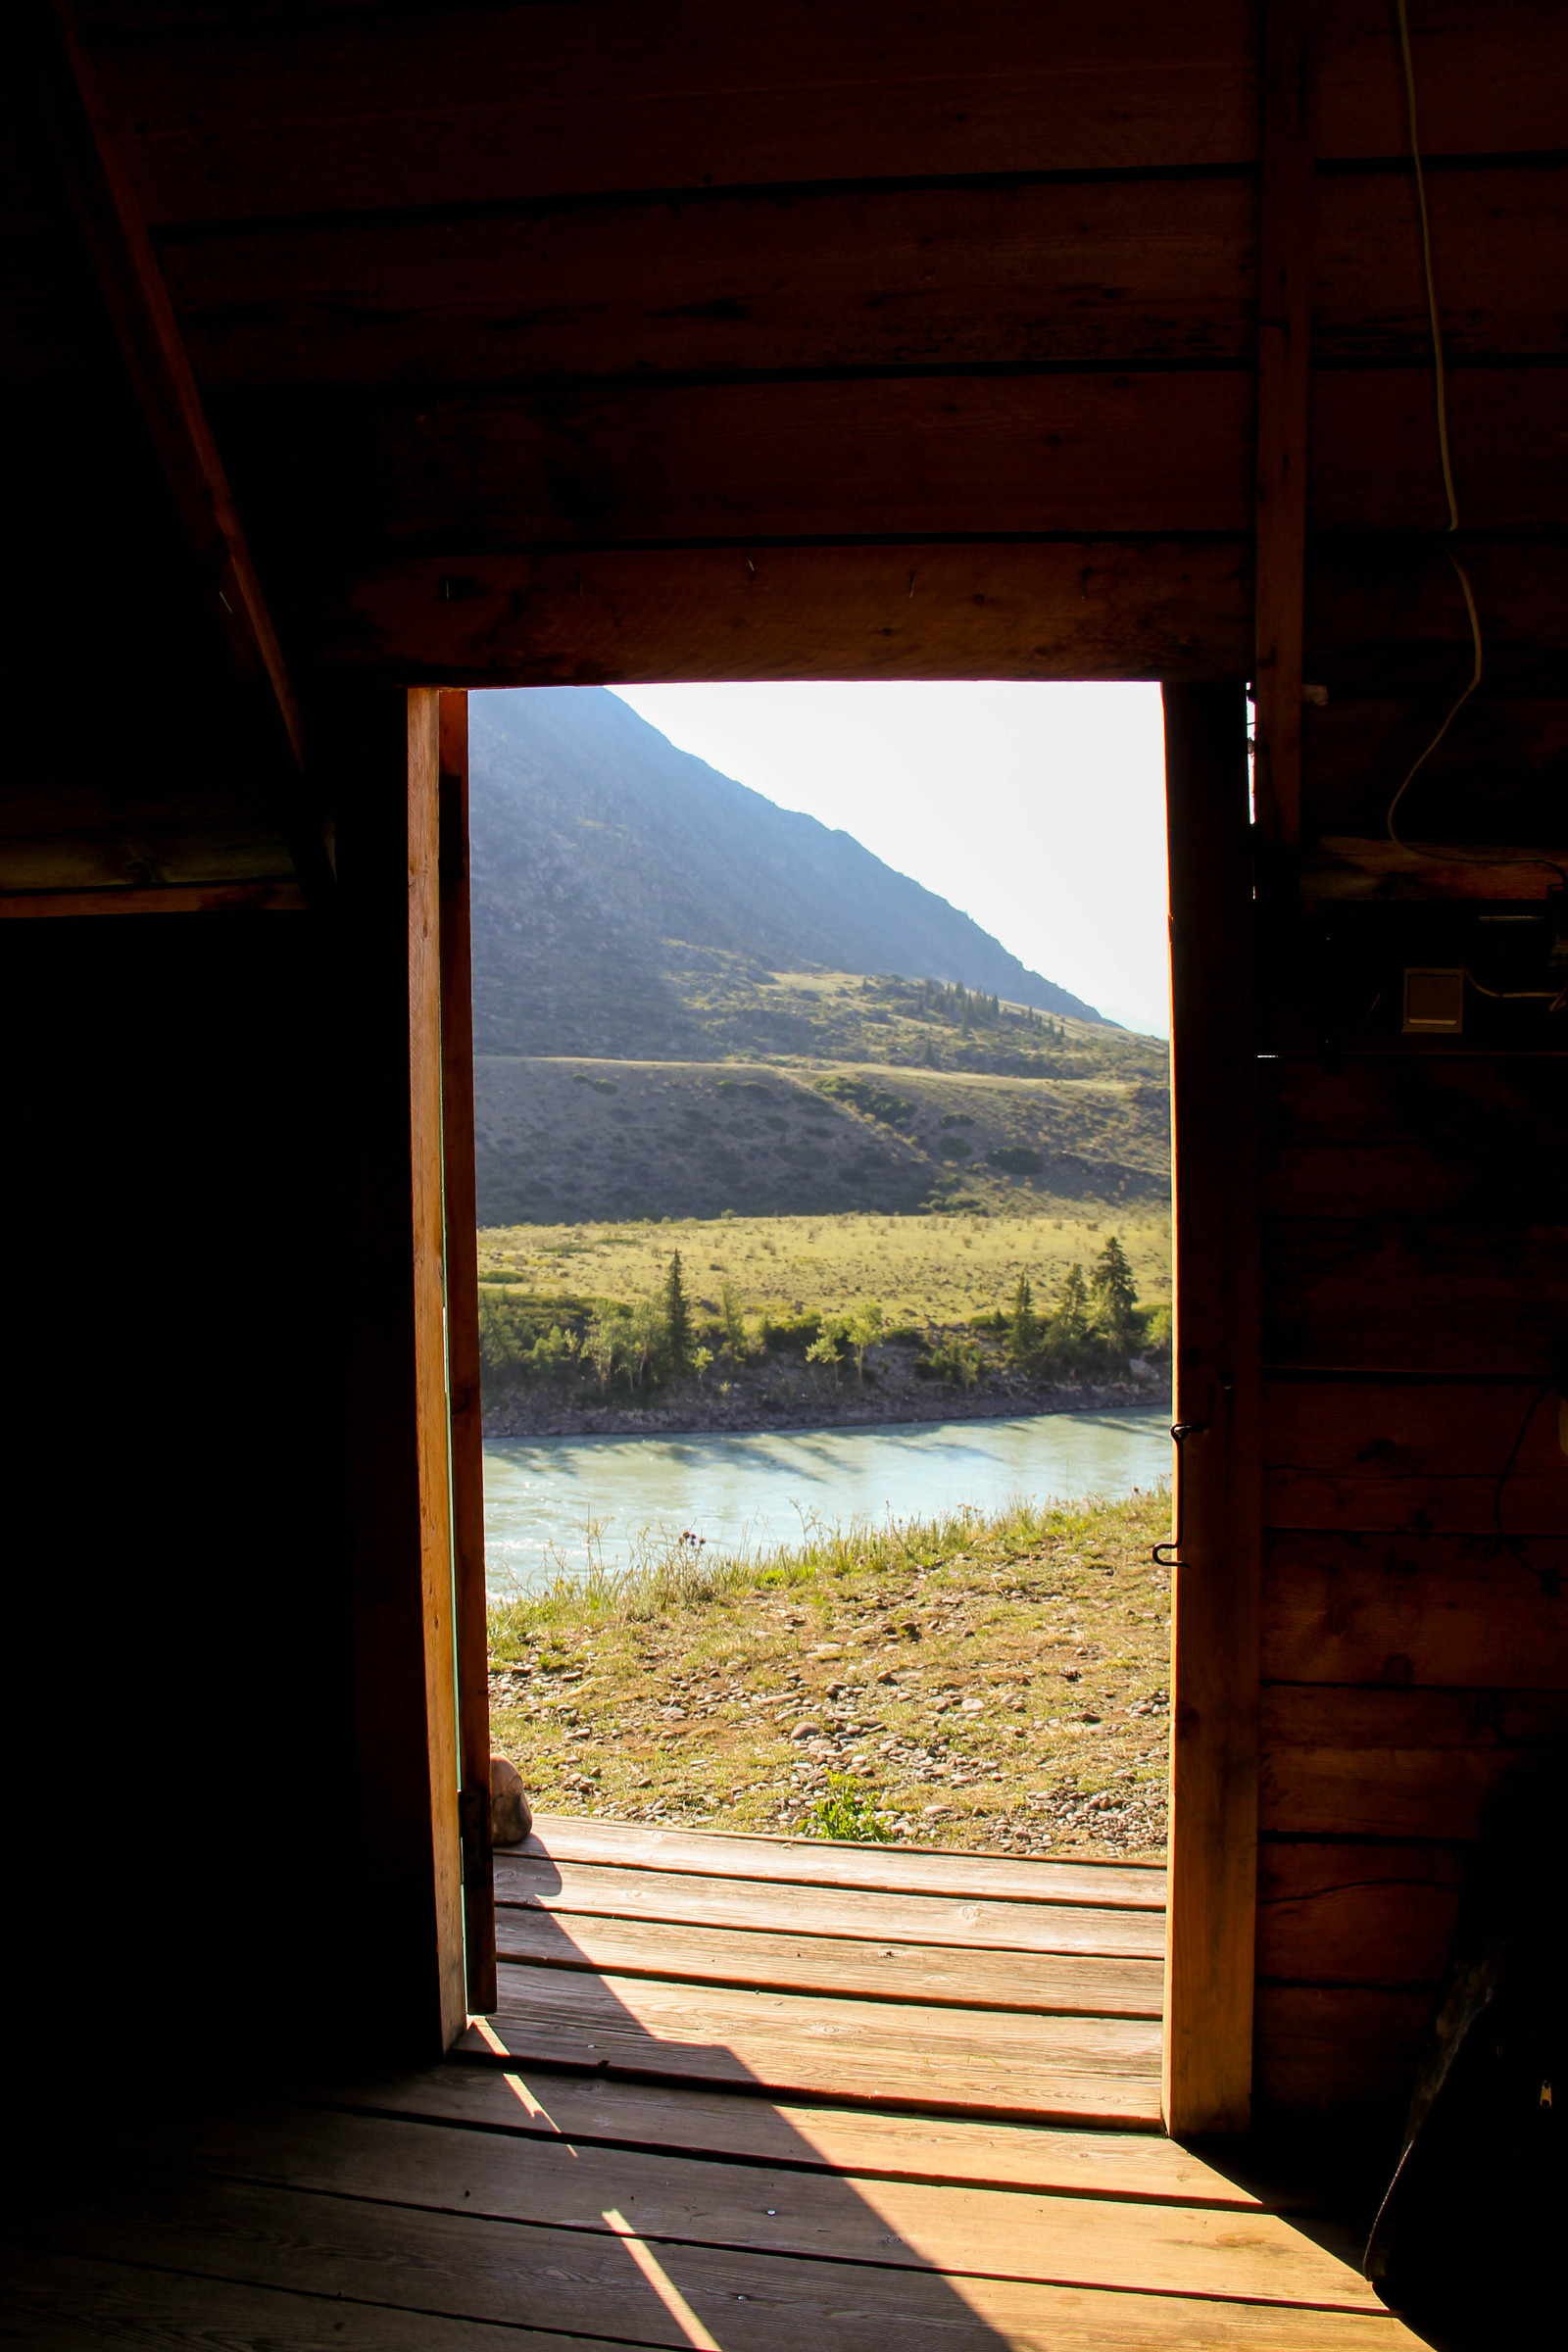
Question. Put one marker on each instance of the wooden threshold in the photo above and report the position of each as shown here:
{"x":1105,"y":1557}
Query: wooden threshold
{"x":805,"y":1862}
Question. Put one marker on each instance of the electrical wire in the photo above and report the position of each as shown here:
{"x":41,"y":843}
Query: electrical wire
{"x":1558,"y":996}
{"x":1441,"y":385}
{"x":1434,"y":321}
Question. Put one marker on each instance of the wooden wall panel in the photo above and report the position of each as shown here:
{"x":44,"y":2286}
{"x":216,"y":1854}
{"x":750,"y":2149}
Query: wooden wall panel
{"x":1491,"y":227}
{"x":1384,"y":618}
{"x":1338,"y":2045}
{"x":1393,"y":1763}
{"x":1359,"y":749}
{"x":1327,"y":1914}
{"x":1372,"y":448}
{"x":1411,"y":1660}
{"x":1413,"y":1459}
{"x":1440,"y":1611}
{"x":1373,"y":1295}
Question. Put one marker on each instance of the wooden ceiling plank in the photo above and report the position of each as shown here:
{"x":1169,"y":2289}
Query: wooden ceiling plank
{"x":1069,"y":276}
{"x":963,"y":456}
{"x":1491,"y":79}
{"x":835,"y":458}
{"x":235,"y":121}
{"x":1065,"y":276}
{"x":1284,"y":349}
{"x":202,"y":897}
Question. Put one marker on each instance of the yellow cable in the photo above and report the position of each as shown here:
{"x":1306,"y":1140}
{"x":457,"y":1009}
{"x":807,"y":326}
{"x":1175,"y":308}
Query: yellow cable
{"x":1426,"y":264}
{"x":1439,"y":376}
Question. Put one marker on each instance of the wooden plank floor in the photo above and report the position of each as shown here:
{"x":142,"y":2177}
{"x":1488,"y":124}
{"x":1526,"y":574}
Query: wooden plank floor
{"x":741,"y":2093}
{"x":970,"y":1981}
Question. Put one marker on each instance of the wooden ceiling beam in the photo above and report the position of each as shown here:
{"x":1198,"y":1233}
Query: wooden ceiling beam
{"x":143,"y":322}
{"x":1085,"y":610}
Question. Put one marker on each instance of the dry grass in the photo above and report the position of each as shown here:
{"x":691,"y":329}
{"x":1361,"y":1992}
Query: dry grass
{"x":991,"y":1682}
{"x":937,"y":1270}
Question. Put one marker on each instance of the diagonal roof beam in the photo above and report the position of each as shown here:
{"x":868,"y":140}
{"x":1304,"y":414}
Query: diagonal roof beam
{"x":142,"y":316}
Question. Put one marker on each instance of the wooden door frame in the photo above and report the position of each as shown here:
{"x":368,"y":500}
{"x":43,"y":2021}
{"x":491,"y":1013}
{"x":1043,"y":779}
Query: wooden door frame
{"x":465,"y":1404}
{"x":381,"y":748}
{"x":1215,"y":1584}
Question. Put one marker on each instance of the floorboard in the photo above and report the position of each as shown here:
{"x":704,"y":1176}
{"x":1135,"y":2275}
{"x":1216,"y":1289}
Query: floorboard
{"x":896,"y":1869}
{"x":1096,"y":2068}
{"x":963,"y":2149}
{"x":833,"y":1964}
{"x":551,"y":1882}
{"x":74,"y":2303}
{"x":591,"y":2283}
{"x":974,"y":2233}
{"x":739,"y":2094}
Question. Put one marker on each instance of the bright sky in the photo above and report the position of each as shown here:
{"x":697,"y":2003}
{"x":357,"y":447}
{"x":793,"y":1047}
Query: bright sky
{"x":1038,"y":810}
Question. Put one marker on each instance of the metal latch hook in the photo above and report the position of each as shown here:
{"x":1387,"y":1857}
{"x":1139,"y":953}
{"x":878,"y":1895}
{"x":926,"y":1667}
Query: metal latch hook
{"x":1180,"y":1432}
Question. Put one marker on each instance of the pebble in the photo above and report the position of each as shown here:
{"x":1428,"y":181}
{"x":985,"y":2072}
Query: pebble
{"x":828,"y":1650}
{"x":806,"y":1729}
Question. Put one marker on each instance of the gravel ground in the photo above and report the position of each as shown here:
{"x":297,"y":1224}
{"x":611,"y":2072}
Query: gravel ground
{"x":992,"y":1684}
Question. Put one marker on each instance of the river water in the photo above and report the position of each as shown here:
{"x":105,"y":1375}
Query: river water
{"x":555,"y":1504}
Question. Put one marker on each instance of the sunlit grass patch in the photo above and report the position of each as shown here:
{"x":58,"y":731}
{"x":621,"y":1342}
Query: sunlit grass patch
{"x":991,"y":1679}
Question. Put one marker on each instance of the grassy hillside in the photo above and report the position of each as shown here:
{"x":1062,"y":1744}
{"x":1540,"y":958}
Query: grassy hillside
{"x":565,"y":1140}
{"x":731,"y":1007}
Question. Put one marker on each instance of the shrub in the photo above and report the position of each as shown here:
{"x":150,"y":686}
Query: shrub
{"x":1015,"y":1159}
{"x":847,"y":1811}
{"x":892,"y":1110}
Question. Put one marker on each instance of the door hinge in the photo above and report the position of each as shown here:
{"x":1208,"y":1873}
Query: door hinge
{"x":473,"y":1825}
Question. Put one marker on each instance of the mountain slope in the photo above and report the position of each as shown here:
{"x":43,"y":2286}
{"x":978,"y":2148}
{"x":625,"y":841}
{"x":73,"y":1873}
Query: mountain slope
{"x":605,"y":862}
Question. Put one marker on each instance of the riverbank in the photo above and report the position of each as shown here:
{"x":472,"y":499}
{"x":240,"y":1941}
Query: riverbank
{"x":779,"y":1396}
{"x":996,"y":1683}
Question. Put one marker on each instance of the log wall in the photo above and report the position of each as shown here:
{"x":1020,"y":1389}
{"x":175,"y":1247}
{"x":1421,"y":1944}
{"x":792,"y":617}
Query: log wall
{"x":1415,"y":1243}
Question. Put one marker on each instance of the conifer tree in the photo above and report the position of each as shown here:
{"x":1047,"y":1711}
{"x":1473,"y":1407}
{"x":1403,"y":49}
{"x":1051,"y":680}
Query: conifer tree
{"x":1023,"y":1332}
{"x":1115,"y":1294}
{"x":677,"y":1318}
{"x":1071,"y":1319}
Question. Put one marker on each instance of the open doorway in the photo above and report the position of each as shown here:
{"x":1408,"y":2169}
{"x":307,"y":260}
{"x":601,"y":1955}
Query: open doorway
{"x":824,"y":1257}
